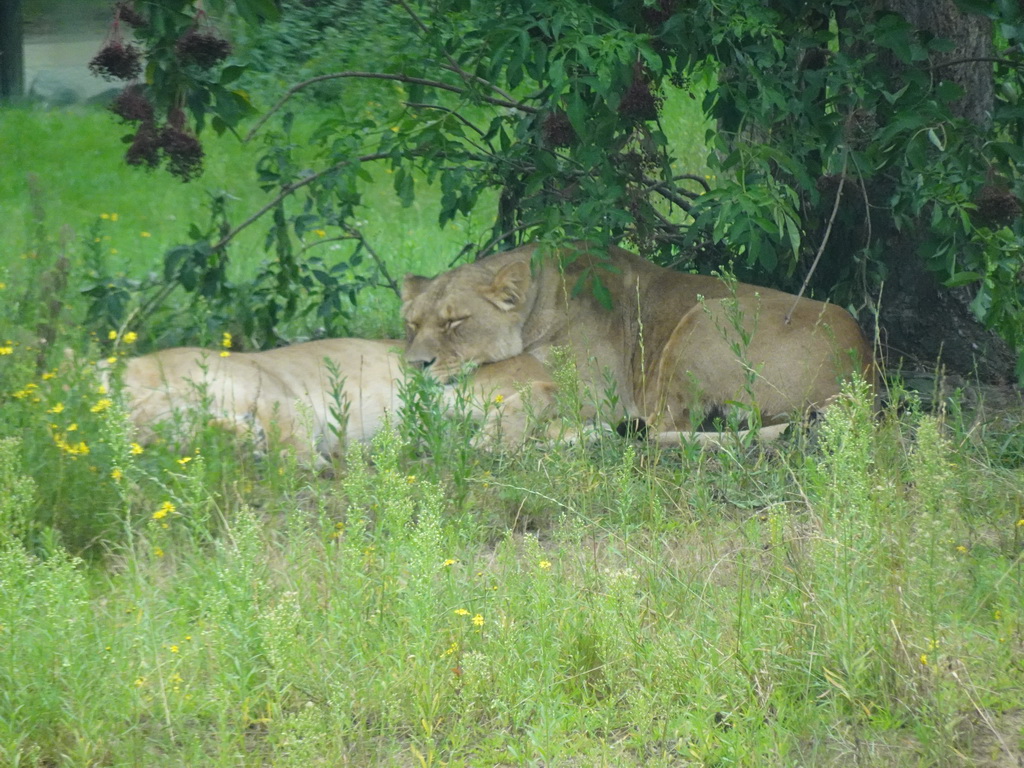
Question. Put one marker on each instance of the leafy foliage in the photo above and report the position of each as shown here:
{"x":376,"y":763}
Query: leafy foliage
{"x":836,"y":129}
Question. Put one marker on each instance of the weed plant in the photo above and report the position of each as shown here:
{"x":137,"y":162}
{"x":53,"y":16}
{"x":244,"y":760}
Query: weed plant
{"x":856,"y":599}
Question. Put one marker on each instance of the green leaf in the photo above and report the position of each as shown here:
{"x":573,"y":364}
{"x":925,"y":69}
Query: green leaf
{"x":962,"y":278}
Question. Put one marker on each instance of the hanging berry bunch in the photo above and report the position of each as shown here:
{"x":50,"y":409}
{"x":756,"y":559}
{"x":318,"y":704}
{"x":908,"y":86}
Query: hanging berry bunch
{"x":117,"y":60}
{"x":202,"y":48}
{"x":183,"y":151}
{"x":152,"y":144}
{"x":126,"y":12}
{"x":638,"y":102}
{"x":180,"y":51}
{"x":132,"y":105}
{"x":557,"y":129}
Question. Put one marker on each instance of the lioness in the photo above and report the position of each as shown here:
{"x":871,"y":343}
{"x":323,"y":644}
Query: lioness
{"x":676,"y":346}
{"x":298,"y":392}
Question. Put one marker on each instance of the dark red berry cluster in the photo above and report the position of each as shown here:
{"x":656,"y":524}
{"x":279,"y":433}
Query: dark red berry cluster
{"x":557,"y":130}
{"x":125,"y":11}
{"x":117,"y":61}
{"x":997,"y":206}
{"x":132,"y":106}
{"x":145,"y":147}
{"x":639,"y":103}
{"x":203,"y":49}
{"x":658,"y":12}
{"x":183,"y":151}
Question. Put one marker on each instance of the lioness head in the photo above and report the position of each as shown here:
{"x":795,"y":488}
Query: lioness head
{"x":472,"y":314}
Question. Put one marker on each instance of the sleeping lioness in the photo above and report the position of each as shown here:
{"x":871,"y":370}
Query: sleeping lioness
{"x":299,"y":393}
{"x":676,"y":347}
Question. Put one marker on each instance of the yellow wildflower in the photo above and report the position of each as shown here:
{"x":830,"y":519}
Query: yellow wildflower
{"x":924,"y":659}
{"x":130,"y":338}
{"x":448,"y":562}
{"x":112,"y":359}
{"x":158,"y":552}
{"x":144,"y":234}
{"x":461,"y":612}
{"x":184,"y":460}
{"x":545,"y":564}
{"x":478,"y":620}
{"x":116,"y":473}
{"x":25,"y":392}
{"x":135,"y":449}
{"x":49,"y":375}
{"x":5,"y":350}
{"x":165,"y":509}
{"x":499,"y":399}
{"x":101,"y":405}
{"x":112,"y":335}
{"x":320,"y":232}
{"x":225,"y":340}
{"x":57,"y":408}
{"x":174,"y":649}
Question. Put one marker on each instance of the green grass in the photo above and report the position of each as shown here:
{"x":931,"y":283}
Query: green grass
{"x":855,"y":599}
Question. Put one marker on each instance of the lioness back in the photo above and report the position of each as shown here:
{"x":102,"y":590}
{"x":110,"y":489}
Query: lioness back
{"x":296,"y":392}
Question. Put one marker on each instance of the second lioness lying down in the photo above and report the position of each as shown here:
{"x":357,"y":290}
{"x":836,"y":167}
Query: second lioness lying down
{"x":300,"y":392}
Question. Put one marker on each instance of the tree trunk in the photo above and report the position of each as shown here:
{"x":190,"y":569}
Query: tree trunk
{"x":12,"y":56}
{"x":922,"y":322}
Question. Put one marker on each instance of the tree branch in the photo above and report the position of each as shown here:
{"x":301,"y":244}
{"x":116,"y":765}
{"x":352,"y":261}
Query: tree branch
{"x":290,"y":188}
{"x":396,"y":77}
{"x":358,"y":235}
{"x":976,"y":60}
{"x":453,"y":65}
{"x":825,"y":239}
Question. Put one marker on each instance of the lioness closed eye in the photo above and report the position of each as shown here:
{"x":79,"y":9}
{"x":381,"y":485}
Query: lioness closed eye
{"x":676,"y":346}
{"x":293,"y":393}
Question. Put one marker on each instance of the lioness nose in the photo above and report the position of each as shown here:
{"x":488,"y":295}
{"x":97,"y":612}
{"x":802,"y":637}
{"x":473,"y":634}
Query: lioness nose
{"x":423,"y":364}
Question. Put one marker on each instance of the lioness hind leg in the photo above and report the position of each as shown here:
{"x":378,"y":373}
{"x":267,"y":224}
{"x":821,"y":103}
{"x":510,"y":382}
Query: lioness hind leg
{"x":774,"y":356}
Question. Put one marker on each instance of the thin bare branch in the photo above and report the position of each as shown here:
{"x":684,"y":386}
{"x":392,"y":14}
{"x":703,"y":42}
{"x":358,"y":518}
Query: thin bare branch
{"x":825,"y":239}
{"x":396,"y":77}
{"x":452,"y":112}
{"x":293,"y":187}
{"x":486,"y":249}
{"x":358,"y":235}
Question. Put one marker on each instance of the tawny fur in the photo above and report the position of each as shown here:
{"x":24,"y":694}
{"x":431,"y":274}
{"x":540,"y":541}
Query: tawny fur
{"x":296,"y":392}
{"x":670,"y":343}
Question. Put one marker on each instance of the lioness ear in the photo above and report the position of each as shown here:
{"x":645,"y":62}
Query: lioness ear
{"x":413,"y":286}
{"x":508,"y":289}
